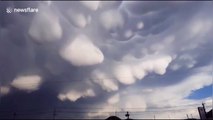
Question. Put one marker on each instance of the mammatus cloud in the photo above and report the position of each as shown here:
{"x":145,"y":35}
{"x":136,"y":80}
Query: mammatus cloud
{"x":132,"y":69}
{"x":140,"y":25}
{"x":111,"y":19}
{"x":82,"y":52}
{"x":74,"y":95}
{"x":92,"y":5}
{"x":186,"y":60}
{"x":118,"y":43}
{"x":123,"y":74}
{"x":160,"y":101}
{"x":45,"y":26}
{"x":28,"y":83}
{"x":102,"y":79}
{"x":78,"y":19}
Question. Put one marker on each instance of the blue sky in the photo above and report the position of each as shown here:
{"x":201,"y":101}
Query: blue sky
{"x":202,"y":93}
{"x":97,"y":57}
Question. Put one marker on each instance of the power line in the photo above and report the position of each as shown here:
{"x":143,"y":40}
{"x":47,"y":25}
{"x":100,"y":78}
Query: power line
{"x":73,"y":114}
{"x":189,"y":106}
{"x":80,"y":111}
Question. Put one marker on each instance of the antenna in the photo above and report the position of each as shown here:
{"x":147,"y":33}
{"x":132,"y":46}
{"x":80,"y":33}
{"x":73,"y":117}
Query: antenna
{"x":203,"y":104}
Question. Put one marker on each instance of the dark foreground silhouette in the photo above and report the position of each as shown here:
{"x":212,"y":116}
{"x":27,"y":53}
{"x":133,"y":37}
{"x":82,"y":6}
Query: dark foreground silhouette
{"x":113,"y":118}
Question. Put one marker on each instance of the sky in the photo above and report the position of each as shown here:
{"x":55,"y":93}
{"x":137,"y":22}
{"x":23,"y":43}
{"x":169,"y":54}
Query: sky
{"x":93,"y":59}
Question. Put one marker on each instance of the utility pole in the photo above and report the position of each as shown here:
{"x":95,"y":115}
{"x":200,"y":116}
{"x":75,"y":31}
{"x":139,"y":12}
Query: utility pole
{"x":212,"y":87}
{"x":154,"y":117}
{"x":0,"y":88}
{"x":0,"y":91}
{"x":187,"y":116}
{"x":54,"y":114}
{"x":14,"y":115}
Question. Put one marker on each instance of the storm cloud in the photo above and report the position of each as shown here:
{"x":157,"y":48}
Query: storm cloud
{"x":112,"y":55}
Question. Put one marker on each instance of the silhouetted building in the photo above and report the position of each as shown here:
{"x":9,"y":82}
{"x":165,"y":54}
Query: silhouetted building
{"x":113,"y":118}
{"x":209,"y":114}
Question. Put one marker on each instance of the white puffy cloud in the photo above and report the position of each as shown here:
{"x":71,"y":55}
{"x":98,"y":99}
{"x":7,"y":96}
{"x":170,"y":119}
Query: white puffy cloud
{"x":114,"y":99}
{"x":131,"y":68}
{"x":184,"y":60}
{"x":163,"y":46}
{"x":110,"y":4}
{"x":111,"y":19}
{"x":199,"y":27}
{"x":28,"y":83}
{"x":4,"y":90}
{"x":134,"y":101}
{"x":74,"y":95}
{"x":102,"y":79}
{"x":163,"y":102}
{"x":78,"y":19}
{"x":175,"y":94}
{"x":178,"y":111}
{"x":189,"y":60}
{"x":124,"y":74}
{"x":160,"y":33}
{"x":157,"y":65}
{"x":48,"y":2}
{"x":45,"y":26}
{"x":128,"y":34}
{"x":82,"y":52}
{"x":196,"y":81}
{"x":175,"y":67}
{"x":104,"y":112}
{"x":118,"y":103}
{"x":140,"y":25}
{"x":92,"y":5}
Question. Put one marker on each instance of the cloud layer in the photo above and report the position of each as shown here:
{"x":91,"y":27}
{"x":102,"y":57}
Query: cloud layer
{"x":111,"y":55}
